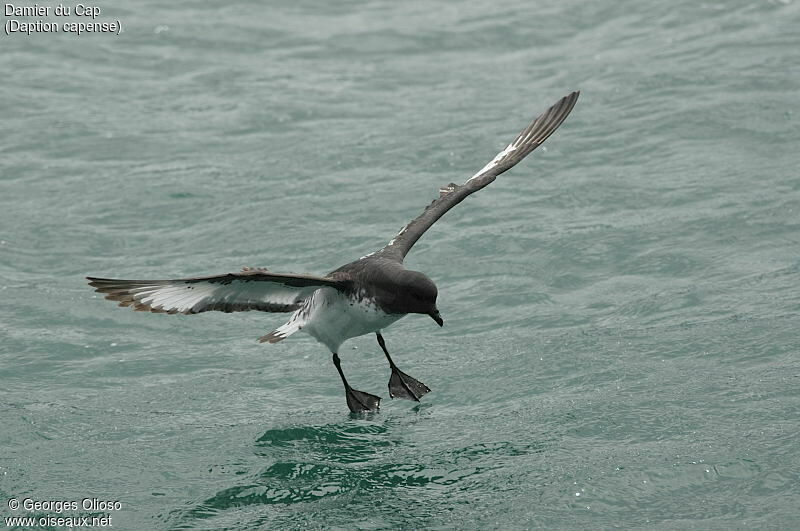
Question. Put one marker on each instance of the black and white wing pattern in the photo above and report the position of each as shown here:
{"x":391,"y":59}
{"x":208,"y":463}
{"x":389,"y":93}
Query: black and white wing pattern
{"x":528,"y":140}
{"x":252,"y":289}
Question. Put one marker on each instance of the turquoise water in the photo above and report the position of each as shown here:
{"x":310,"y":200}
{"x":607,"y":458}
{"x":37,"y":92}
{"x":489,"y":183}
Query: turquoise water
{"x":621,"y":310}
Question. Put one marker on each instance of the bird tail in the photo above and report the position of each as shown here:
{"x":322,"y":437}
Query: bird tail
{"x":295,"y":324}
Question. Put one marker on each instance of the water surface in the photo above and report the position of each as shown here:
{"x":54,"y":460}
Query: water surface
{"x":621,"y":309}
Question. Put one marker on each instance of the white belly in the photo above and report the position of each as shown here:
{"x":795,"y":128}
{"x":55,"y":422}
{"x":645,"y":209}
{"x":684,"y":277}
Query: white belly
{"x":334,"y":318}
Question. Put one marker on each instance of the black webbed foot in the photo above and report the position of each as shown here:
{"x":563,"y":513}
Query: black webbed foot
{"x":357,"y":401}
{"x":361,"y":402}
{"x":402,"y":385}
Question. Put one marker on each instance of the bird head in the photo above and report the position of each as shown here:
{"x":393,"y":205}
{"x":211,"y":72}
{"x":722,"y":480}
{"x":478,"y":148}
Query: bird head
{"x":419,"y":294}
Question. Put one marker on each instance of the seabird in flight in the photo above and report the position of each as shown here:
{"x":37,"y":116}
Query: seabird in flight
{"x":359,"y":298}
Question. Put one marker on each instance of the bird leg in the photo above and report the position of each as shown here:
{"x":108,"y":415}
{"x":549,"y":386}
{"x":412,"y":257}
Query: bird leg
{"x":402,"y":385}
{"x":357,"y":401}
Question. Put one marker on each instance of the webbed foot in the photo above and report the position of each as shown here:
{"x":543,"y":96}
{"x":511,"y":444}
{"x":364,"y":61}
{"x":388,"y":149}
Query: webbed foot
{"x":402,"y":385}
{"x":361,"y":402}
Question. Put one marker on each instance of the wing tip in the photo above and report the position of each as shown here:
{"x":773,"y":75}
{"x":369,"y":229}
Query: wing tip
{"x":565,"y":104}
{"x":573,"y":99}
{"x":96,"y":282}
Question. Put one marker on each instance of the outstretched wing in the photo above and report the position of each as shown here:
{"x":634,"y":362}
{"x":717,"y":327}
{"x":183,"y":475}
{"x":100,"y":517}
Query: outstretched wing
{"x":528,"y":140}
{"x":252,"y":289}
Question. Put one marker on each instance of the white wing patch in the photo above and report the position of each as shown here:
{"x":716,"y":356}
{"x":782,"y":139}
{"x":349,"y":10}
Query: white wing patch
{"x":195,"y":296}
{"x":181,"y":299}
{"x":495,"y":161}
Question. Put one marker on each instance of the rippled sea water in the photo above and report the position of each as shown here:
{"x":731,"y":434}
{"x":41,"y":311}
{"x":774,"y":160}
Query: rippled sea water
{"x":622,"y":308}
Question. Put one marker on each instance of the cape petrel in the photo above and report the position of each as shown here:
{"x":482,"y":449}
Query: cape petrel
{"x":359,"y":298}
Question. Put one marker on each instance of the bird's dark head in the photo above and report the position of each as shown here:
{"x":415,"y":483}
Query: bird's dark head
{"x":419,"y":295}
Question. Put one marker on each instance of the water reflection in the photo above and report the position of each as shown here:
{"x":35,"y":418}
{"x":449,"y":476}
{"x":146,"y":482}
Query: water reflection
{"x":355,"y":459}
